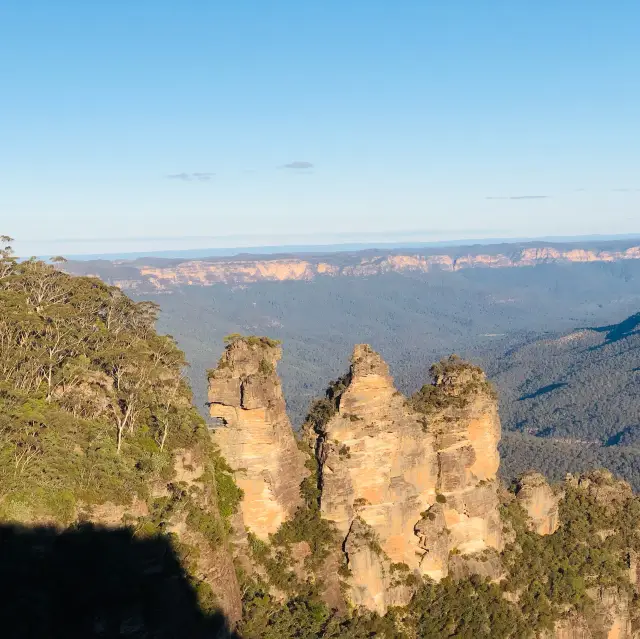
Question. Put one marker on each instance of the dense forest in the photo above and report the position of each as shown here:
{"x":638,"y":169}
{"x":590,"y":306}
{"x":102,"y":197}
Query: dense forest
{"x":412,"y":320}
{"x":571,"y":402}
{"x":581,"y":387}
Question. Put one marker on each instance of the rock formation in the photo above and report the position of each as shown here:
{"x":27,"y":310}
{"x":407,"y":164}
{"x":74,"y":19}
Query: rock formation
{"x":607,"y":490}
{"x":409,"y":485}
{"x":541,"y":503}
{"x":404,"y":488}
{"x":214,"y":565}
{"x":611,"y":619}
{"x":255,"y":434}
{"x":234,"y":270}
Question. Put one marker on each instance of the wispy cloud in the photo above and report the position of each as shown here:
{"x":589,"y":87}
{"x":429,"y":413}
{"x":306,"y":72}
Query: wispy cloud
{"x":191,"y":177}
{"x":517,"y":197}
{"x":298,"y":164}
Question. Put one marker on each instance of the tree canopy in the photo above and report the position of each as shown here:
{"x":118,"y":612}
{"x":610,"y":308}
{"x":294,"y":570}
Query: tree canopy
{"x":92,"y":399}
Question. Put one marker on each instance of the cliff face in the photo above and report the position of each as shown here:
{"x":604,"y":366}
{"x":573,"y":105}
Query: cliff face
{"x":255,"y":434}
{"x":409,"y":486}
{"x":541,"y":503}
{"x":611,"y":619}
{"x":466,"y":428}
{"x":204,"y":273}
{"x":402,"y":488}
{"x":378,"y":472}
{"x":132,"y":275}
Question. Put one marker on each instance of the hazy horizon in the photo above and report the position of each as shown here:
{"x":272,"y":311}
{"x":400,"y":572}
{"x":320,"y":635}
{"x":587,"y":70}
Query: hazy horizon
{"x":195,"y":248}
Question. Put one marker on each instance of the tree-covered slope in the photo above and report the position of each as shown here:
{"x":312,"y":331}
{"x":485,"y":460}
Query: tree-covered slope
{"x":97,"y":424}
{"x":572,"y":403}
{"x":93,"y":400}
{"x":582,"y":386}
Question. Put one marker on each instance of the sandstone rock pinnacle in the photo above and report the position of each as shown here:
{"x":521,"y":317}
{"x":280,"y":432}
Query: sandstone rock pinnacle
{"x":254,"y":434}
{"x":408,"y":487}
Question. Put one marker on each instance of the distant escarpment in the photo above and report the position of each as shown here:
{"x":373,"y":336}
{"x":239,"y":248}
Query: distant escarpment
{"x":164,"y":274}
{"x":400,"y":528}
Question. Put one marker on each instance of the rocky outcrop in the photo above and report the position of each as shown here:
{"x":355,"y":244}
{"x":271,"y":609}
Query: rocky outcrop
{"x":404,"y":488}
{"x":574,"y":626}
{"x":254,"y":433}
{"x":540,"y":502}
{"x":213,"y":564}
{"x":607,"y":490}
{"x":611,"y":619}
{"x":462,"y":414}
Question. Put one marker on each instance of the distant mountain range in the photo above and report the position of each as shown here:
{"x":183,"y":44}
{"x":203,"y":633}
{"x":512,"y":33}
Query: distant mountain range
{"x":158,"y":274}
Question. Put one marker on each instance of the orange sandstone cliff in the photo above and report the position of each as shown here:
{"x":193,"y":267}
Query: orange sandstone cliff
{"x":410,"y":485}
{"x":238,"y":270}
{"x":257,"y":440}
{"x":408,"y":490}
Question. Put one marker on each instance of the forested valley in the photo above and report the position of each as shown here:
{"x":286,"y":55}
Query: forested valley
{"x":117,"y":511}
{"x":559,"y":341}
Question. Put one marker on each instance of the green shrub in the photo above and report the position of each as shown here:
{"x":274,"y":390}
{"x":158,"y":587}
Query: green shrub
{"x":266,"y":367}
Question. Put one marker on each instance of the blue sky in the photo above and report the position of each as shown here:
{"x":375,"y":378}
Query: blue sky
{"x":125,"y":124}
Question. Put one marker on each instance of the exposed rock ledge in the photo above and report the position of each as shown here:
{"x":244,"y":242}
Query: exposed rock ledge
{"x":540,"y":502}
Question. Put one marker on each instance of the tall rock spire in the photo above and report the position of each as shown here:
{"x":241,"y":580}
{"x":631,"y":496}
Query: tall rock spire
{"x":408,"y":483}
{"x":254,"y":434}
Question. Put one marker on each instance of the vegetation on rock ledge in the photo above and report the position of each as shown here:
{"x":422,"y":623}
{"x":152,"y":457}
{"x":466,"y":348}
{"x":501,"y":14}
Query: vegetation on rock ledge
{"x":454,"y":384}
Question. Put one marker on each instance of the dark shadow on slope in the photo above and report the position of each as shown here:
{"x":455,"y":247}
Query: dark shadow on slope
{"x":629,"y":436}
{"x":543,"y":391}
{"x":90,"y":582}
{"x":615,"y":332}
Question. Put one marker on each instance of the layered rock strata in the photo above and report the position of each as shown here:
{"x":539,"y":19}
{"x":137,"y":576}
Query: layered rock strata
{"x":611,"y":619}
{"x":254,"y":433}
{"x":207,"y":272}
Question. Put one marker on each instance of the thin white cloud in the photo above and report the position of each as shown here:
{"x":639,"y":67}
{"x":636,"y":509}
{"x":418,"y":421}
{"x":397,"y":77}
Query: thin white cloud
{"x":190,"y":177}
{"x":517,"y":197}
